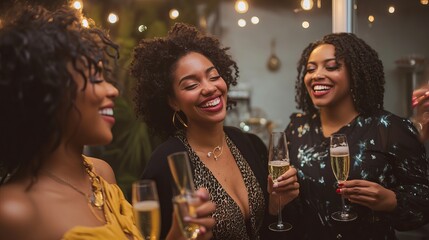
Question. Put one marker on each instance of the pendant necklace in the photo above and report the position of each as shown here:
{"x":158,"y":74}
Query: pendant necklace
{"x":96,"y":198}
{"x":217,"y":151}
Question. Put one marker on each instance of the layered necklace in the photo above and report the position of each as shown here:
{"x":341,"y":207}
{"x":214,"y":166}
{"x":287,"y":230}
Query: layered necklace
{"x":96,"y":198}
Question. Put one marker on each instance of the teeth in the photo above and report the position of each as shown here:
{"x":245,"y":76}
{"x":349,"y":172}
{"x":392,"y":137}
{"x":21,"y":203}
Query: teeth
{"x":106,"y":111}
{"x":321,"y":88}
{"x":211,"y":103}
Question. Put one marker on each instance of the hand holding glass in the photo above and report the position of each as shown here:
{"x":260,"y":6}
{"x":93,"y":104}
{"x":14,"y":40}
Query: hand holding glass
{"x":278,"y":163}
{"x":186,"y":201}
{"x":340,"y":163}
{"x":146,"y":208}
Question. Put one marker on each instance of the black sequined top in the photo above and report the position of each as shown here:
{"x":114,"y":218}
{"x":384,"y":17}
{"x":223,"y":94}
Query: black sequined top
{"x":384,"y":149}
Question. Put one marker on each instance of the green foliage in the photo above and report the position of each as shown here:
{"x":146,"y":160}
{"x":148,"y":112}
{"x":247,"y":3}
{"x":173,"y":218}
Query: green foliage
{"x":132,"y":145}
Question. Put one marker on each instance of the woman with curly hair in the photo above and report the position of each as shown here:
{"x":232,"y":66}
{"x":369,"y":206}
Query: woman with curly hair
{"x":55,"y":98}
{"x":340,"y":89}
{"x":181,"y":93}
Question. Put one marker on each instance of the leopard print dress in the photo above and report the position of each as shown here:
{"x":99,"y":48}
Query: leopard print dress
{"x":230,"y":223}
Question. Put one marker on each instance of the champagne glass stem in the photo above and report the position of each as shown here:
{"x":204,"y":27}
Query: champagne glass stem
{"x":344,"y":209}
{"x":279,"y":215}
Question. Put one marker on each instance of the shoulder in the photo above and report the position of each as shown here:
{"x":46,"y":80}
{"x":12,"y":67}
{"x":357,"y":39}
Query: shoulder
{"x":171,"y":145}
{"x":158,"y":160}
{"x":389,"y":120}
{"x":103,"y":169}
{"x":17,"y":211}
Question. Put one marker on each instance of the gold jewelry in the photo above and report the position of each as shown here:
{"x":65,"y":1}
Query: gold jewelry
{"x":178,"y":117}
{"x":218,"y":149}
{"x":96,"y":198}
{"x":213,"y":153}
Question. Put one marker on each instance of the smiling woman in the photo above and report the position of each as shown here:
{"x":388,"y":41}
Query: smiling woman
{"x":185,"y":76}
{"x":55,"y":98}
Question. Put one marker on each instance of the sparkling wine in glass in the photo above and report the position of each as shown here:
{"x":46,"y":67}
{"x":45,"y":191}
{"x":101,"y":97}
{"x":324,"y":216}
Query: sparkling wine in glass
{"x":278,"y":163}
{"x":186,"y":201}
{"x":340,"y":163}
{"x":146,"y":208}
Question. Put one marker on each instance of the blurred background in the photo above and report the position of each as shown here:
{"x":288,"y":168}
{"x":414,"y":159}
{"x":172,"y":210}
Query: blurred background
{"x":266,"y":39}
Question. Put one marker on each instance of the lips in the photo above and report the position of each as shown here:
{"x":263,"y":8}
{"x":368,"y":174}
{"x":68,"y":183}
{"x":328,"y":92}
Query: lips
{"x":320,"y":89}
{"x":107,"y":114}
{"x":210,"y":103}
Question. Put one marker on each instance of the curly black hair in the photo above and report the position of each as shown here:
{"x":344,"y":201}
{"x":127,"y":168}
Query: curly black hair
{"x":154,"y":63}
{"x":35,"y":84}
{"x":364,"y":66}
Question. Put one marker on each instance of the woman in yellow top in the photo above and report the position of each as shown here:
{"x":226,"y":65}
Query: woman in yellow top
{"x":54,"y":99}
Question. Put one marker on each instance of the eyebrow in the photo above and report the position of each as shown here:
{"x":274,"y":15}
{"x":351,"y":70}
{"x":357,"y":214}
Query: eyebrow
{"x":324,"y":61}
{"x":192,"y":76}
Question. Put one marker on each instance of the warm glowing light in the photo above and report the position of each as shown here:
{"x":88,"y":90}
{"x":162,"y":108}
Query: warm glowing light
{"x":371,"y":18}
{"x":391,"y":9}
{"x":77,"y":5}
{"x":305,"y":24}
{"x":174,"y":13}
{"x":112,"y":18}
{"x":142,"y":28}
{"x":424,"y":2}
{"x":85,"y":23}
{"x":241,"y":22}
{"x":241,"y":6}
{"x":254,"y":20}
{"x":307,"y":4}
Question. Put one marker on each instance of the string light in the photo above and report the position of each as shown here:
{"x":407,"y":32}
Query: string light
{"x":371,"y":18}
{"x":305,"y":24}
{"x":174,"y":13}
{"x":85,"y":23}
{"x":391,"y":9}
{"x":241,"y":6}
{"x":142,"y":28}
{"x":307,"y":4}
{"x":77,"y":5}
{"x":112,"y":18}
{"x":424,"y":2}
{"x":254,"y":20}
{"x":241,"y":22}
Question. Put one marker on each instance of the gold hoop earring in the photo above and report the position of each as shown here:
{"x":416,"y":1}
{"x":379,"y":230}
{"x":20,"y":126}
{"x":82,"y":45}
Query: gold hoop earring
{"x":178,"y":117}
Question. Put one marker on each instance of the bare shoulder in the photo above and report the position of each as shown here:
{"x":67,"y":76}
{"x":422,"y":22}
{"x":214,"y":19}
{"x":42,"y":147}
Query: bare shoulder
{"x":103,"y":169}
{"x":17,"y":211}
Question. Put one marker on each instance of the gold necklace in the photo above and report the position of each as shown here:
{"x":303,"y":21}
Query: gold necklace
{"x":96,"y":198}
{"x":217,"y":151}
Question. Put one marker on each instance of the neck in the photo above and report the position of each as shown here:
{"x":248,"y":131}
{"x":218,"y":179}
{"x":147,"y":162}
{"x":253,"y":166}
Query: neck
{"x":65,"y":161}
{"x":205,"y":137}
{"x":334,"y":118}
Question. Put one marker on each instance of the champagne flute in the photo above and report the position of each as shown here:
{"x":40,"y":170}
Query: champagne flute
{"x":186,"y":201}
{"x":146,"y":208}
{"x":278,"y":163}
{"x":340,"y":163}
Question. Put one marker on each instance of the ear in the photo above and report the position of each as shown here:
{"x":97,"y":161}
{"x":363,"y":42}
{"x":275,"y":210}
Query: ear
{"x":173,"y":103}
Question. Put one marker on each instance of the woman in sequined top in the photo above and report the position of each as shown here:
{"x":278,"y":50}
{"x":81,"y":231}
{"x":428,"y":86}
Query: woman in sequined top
{"x":340,"y":88}
{"x":182,"y":85}
{"x":55,"y":98}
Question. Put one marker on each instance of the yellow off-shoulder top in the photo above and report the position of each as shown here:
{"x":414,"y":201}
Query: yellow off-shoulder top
{"x":119,"y":215}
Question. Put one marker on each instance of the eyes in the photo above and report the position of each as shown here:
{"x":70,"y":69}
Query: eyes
{"x":192,"y":82}
{"x":330,"y":67}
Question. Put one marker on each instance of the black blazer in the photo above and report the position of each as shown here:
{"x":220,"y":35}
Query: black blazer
{"x":157,"y":169}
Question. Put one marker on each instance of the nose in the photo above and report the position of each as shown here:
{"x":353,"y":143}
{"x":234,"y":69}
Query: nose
{"x":317,"y":75}
{"x":208,"y":88}
{"x":112,"y":91}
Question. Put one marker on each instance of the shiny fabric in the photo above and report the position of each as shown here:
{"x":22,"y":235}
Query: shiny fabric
{"x":119,"y":215}
{"x":384,"y":149}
